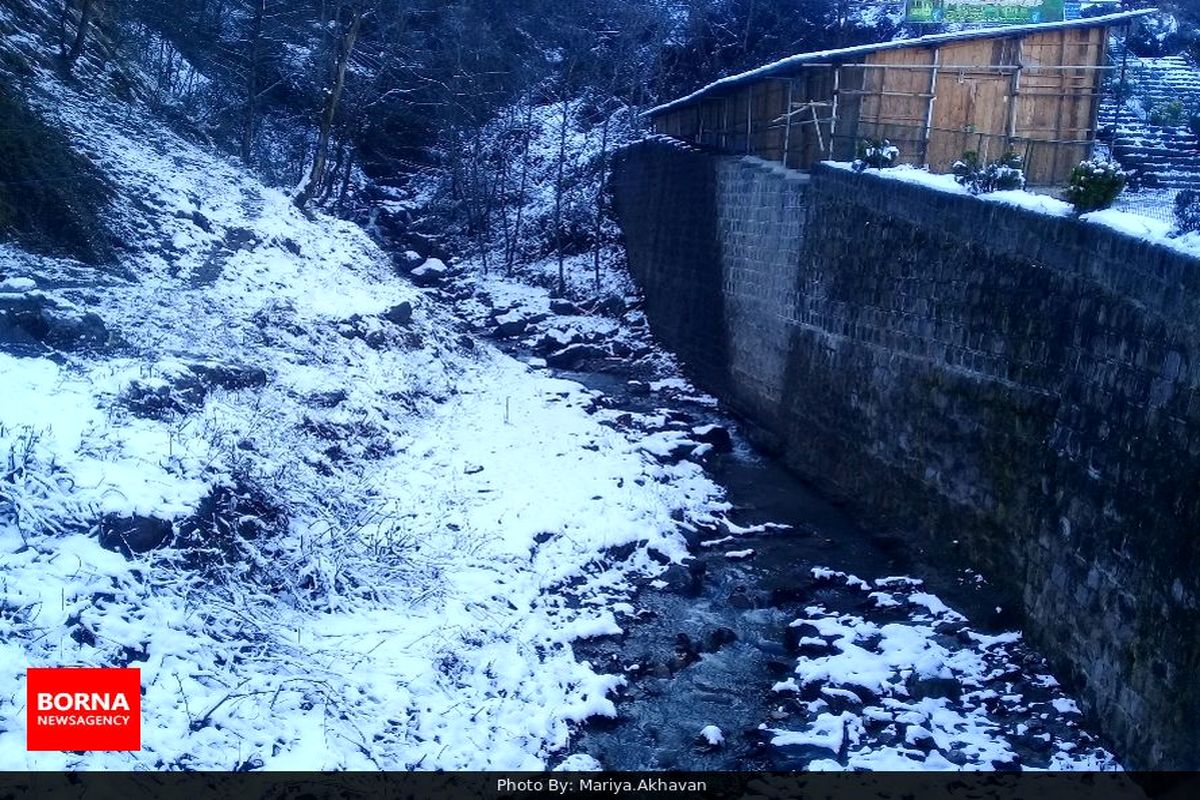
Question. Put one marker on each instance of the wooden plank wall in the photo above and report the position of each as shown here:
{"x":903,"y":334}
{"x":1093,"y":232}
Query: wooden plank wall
{"x":934,"y":103}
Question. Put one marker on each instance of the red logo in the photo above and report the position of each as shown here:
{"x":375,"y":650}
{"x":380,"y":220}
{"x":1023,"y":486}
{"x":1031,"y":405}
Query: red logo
{"x":83,"y":708}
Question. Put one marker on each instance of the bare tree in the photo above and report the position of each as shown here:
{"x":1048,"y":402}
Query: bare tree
{"x":87,"y":10}
{"x":349,"y":18}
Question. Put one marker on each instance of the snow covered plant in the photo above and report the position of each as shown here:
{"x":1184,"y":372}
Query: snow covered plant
{"x":1003,"y":174}
{"x":876,"y":154}
{"x":1095,"y":184}
{"x":1187,"y":212}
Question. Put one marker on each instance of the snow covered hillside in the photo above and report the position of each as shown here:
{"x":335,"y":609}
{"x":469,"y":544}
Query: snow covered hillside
{"x":331,"y":529}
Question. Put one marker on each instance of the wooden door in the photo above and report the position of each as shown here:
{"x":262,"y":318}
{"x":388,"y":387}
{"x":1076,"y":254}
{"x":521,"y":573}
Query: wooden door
{"x":970,"y":112}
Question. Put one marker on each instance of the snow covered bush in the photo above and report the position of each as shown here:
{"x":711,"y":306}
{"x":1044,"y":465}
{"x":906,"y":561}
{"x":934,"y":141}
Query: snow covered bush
{"x":1095,"y":184}
{"x":1187,"y":212}
{"x":876,"y":154}
{"x":1003,"y":174}
{"x":1170,"y":114}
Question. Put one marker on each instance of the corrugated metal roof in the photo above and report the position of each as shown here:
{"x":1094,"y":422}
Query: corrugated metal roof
{"x":841,"y":54}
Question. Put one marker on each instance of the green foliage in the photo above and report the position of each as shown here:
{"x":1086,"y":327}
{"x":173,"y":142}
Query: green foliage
{"x":1094,"y":185}
{"x":50,"y":196}
{"x":876,"y":154}
{"x":1003,"y":174}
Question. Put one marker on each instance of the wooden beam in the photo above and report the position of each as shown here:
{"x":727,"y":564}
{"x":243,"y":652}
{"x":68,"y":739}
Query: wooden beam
{"x":933,"y":77}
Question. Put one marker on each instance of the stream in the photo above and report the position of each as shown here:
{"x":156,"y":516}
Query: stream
{"x":794,"y":638}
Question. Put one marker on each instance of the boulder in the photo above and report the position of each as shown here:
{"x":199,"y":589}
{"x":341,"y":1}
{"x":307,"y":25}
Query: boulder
{"x":34,"y":321}
{"x":399,"y":314}
{"x":509,"y":325}
{"x":714,"y":435}
{"x":431,"y":273}
{"x":134,"y":534}
{"x":573,"y":356}
{"x":228,"y":374}
{"x":564,"y":308}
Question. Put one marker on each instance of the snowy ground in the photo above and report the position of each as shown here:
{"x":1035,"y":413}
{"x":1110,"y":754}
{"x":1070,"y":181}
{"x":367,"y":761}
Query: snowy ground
{"x":395,"y":532}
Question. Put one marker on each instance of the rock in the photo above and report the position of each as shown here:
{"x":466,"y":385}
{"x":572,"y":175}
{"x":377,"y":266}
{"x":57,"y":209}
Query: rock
{"x":330,"y":399}
{"x":720,"y":637}
{"x":201,"y":222}
{"x":228,"y":374}
{"x":17,"y":285}
{"x":509,"y":325}
{"x":612,"y":306}
{"x":714,"y":435}
{"x":466,"y":342}
{"x":431,"y":273}
{"x":553,"y":340}
{"x":638,"y":388}
{"x":291,"y":246}
{"x":160,"y":398}
{"x":240,"y":239}
{"x":564,"y":308}
{"x":741,"y":599}
{"x":133,"y":534}
{"x":920,"y":688}
{"x":573,"y":356}
{"x":34,"y":321}
{"x":399,"y":314}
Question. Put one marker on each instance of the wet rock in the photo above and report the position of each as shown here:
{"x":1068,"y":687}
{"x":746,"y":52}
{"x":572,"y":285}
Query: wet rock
{"x":612,"y":306}
{"x":720,"y":637}
{"x":554,"y":340}
{"x":431,"y":273}
{"x":638,"y":388}
{"x":789,"y":596}
{"x":920,"y":688}
{"x":133,"y":534}
{"x":291,"y":246}
{"x":740,"y":598}
{"x":714,"y":435}
{"x":686,"y":653}
{"x":573,"y":356}
{"x":32,"y":321}
{"x":466,"y":342}
{"x":564,"y":308}
{"x":399,"y":314}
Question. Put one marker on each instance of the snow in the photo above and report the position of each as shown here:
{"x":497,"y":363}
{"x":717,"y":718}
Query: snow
{"x":1131,"y":223}
{"x":447,"y":518}
{"x":712,"y":735}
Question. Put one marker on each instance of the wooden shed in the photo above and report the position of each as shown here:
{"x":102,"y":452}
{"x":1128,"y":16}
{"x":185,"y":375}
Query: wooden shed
{"x":1030,"y":89}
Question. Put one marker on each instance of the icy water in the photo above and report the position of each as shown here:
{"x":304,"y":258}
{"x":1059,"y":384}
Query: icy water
{"x":827,"y":646}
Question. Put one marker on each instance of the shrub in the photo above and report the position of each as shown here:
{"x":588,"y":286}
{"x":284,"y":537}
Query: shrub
{"x":1003,"y":174}
{"x":1095,"y":184}
{"x":1169,"y":114}
{"x":876,"y":154}
{"x":1187,"y":211}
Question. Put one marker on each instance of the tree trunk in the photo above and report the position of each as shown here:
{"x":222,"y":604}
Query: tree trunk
{"x":599,"y":218}
{"x":333,"y":95}
{"x":256,"y":25}
{"x":524,"y":185}
{"x":87,"y":9}
{"x":558,"y":195}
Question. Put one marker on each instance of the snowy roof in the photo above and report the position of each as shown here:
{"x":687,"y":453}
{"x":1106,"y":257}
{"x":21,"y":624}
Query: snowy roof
{"x":840,"y":54}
